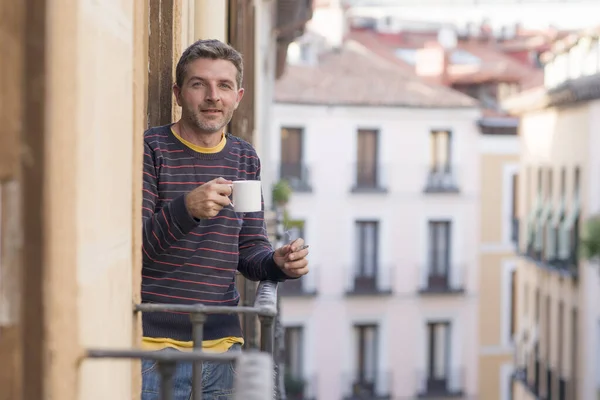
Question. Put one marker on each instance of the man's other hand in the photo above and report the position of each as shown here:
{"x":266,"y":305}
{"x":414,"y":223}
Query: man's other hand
{"x":291,"y":258}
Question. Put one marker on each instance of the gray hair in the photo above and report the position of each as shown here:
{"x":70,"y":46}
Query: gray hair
{"x":212,"y":49}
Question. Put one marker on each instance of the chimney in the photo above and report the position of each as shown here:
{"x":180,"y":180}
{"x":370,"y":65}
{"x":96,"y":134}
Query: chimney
{"x":432,"y":63}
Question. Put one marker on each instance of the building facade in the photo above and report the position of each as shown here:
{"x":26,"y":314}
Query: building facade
{"x":386,"y":187}
{"x":497,"y":262}
{"x":558,"y":306}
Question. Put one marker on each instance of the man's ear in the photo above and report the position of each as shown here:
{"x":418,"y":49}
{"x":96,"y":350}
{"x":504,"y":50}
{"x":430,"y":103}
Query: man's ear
{"x":177,"y":94}
{"x":240,"y":95}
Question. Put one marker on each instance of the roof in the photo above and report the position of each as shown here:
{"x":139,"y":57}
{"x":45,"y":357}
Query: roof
{"x":584,"y":88}
{"x":355,"y":76}
{"x":494,"y":64}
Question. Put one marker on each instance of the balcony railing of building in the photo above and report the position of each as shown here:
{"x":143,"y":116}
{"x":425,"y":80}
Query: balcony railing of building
{"x":367,"y":385}
{"x":369,"y":178}
{"x":297,"y":175}
{"x":441,"y":178}
{"x":254,"y":367}
{"x":440,"y":384}
{"x":514,"y":231}
{"x":305,"y":286}
{"x":365,"y":281}
{"x":446,"y":279}
{"x":300,"y":388}
{"x":554,"y":244}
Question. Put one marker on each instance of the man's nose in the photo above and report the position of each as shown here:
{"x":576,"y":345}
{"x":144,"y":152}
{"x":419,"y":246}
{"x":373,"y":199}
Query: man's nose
{"x":212,"y":94}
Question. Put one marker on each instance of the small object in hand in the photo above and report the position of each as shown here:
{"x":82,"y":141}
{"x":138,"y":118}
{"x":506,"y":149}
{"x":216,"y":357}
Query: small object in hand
{"x":302,"y":247}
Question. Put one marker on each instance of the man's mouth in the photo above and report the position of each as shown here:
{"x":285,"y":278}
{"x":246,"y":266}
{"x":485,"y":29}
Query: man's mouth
{"x":211,"y":111}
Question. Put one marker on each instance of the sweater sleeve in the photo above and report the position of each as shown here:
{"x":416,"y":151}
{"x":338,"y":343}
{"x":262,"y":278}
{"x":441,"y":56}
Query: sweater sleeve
{"x":256,"y":253}
{"x":162,"y":227}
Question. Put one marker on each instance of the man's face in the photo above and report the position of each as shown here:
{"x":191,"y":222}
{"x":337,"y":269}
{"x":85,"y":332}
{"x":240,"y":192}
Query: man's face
{"x":209,"y":94}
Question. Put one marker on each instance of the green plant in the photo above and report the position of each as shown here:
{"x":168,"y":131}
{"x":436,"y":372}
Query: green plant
{"x":294,"y":387}
{"x":590,"y":241}
{"x":282,"y":191}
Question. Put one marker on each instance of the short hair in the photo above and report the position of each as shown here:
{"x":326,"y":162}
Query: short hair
{"x":212,"y":49}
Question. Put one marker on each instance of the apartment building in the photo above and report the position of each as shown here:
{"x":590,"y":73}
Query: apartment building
{"x":385,"y":172}
{"x":497,"y":261}
{"x":557,"y":316}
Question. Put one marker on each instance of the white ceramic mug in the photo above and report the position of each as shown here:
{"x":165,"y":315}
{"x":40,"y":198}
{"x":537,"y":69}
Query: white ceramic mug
{"x":246,"y":196}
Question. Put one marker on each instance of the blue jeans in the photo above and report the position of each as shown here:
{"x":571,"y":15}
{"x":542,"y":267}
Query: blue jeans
{"x":217,"y":379}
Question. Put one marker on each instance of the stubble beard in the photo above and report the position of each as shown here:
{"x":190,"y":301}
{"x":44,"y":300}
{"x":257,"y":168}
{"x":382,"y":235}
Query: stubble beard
{"x":210,"y":126}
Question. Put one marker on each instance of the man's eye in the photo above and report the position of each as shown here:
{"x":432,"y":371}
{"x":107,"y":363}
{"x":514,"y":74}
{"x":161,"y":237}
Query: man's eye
{"x":226,"y":86}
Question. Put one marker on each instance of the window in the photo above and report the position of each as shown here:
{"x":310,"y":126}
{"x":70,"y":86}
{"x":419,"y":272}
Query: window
{"x":366,"y":245}
{"x":438,"y":355}
{"x":514,"y":212}
{"x":292,"y":167}
{"x":366,"y":358}
{"x":440,"y":151}
{"x":367,"y":166}
{"x":513,"y":303}
{"x":439,"y":253}
{"x":561,"y":338}
{"x":576,"y":182}
{"x":294,"y":350}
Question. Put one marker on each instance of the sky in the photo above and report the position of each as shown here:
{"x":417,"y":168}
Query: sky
{"x":565,"y":14}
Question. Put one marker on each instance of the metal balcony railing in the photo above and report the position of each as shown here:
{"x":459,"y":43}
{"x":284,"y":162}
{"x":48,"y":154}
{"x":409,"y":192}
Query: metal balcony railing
{"x":441,"y":178}
{"x":297,"y":175}
{"x":367,"y":385}
{"x":369,"y":177}
{"x":363,"y":281}
{"x":436,"y":384}
{"x":442,"y":279}
{"x":306,"y":286}
{"x":255,"y":368}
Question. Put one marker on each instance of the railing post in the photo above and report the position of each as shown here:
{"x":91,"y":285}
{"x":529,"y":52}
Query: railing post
{"x":198,"y":320}
{"x":266,"y":334}
{"x":166,"y":370}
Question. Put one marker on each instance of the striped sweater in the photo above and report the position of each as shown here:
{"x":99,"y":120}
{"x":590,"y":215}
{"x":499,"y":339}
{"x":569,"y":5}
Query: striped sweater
{"x":189,"y":261}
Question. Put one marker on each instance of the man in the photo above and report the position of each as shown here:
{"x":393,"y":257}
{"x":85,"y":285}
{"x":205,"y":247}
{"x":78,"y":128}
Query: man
{"x":193,"y":239}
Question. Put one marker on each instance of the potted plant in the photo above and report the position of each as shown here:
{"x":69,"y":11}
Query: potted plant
{"x":282,"y":191}
{"x":590,"y":241}
{"x":294,"y":387}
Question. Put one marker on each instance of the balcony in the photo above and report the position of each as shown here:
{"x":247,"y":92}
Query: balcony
{"x":514,"y":231}
{"x":297,"y":175}
{"x":305,"y":286}
{"x":448,"y":280}
{"x":448,"y":384}
{"x":367,"y":385}
{"x":553,"y":248}
{"x":300,"y":388}
{"x":254,"y":378}
{"x":361,"y":281}
{"x":369,"y":178}
{"x":441,"y":179}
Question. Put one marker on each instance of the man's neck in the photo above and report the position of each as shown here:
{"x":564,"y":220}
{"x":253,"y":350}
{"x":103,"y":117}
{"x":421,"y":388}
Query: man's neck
{"x":198,"y":138}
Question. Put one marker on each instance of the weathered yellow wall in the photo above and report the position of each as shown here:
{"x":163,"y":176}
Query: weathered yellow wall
{"x":91,"y":128}
{"x":490,"y":384}
{"x":491,"y":195}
